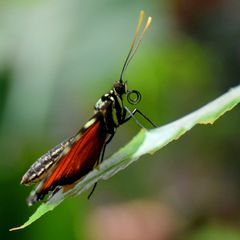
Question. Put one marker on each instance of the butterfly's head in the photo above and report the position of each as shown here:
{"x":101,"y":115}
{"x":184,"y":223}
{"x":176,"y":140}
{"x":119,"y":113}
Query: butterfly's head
{"x":121,"y":88}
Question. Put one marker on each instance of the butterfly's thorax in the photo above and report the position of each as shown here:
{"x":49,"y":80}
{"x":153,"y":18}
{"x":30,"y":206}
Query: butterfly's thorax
{"x":111,"y":105}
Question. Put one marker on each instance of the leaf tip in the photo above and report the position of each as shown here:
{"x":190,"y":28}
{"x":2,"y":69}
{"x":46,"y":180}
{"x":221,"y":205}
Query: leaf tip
{"x":16,"y":228}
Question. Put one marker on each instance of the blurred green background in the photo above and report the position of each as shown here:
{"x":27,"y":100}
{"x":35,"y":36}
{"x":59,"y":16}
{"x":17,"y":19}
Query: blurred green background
{"x":58,"y":57}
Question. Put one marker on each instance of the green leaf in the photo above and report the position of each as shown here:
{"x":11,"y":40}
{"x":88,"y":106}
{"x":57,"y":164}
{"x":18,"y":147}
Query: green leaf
{"x":144,"y":142}
{"x":42,"y":209}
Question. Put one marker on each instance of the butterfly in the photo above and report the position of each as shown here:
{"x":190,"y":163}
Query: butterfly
{"x":65,"y":164}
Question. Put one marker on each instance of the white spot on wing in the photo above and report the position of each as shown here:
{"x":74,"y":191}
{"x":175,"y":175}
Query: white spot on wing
{"x":89,"y":123}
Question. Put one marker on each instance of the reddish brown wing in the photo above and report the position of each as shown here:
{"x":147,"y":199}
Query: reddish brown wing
{"x":80,"y":159}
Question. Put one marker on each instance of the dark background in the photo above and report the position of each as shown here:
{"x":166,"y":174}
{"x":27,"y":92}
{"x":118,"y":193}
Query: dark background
{"x":58,"y":57}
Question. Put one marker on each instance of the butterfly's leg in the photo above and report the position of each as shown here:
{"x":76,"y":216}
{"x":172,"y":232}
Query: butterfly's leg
{"x":131,"y":115}
{"x":104,"y":148}
{"x":100,"y":160}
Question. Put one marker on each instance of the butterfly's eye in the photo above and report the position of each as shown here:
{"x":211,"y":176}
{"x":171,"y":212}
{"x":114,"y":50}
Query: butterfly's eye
{"x":134,"y":97}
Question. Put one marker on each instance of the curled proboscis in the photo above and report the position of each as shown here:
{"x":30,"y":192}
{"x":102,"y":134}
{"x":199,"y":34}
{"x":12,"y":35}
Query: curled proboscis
{"x":134,"y":97}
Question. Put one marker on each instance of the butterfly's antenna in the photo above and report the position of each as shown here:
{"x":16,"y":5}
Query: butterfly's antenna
{"x":141,"y":16}
{"x":140,"y":40}
{"x":132,"y":51}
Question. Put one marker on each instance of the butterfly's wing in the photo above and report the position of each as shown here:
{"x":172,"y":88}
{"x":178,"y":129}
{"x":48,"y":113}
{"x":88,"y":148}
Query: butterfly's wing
{"x":44,"y":164}
{"x":77,"y":159}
